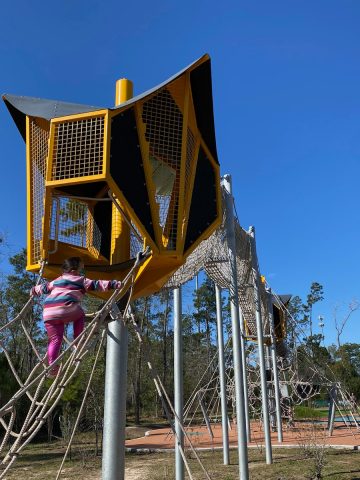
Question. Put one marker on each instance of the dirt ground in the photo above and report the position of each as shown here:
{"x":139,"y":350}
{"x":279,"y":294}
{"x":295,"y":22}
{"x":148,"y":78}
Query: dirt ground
{"x":201,"y":437}
{"x":41,"y":461}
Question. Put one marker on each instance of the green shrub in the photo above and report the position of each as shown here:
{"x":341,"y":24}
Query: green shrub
{"x":306,"y":412}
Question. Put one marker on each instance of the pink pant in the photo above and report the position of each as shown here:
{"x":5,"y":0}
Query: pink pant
{"x":55,"y":331}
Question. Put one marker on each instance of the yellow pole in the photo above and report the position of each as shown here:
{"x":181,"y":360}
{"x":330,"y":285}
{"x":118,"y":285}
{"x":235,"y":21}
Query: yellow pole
{"x":124,"y":91}
{"x":120,"y":238}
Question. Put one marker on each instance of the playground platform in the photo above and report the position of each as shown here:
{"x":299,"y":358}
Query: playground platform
{"x":299,"y":435}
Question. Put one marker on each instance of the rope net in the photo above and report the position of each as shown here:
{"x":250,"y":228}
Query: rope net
{"x":212,"y":256}
{"x":300,"y":378}
{"x":42,"y":395}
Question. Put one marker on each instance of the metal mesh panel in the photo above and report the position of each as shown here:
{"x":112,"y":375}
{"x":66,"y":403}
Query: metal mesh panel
{"x":246,"y":279}
{"x":39,"y":136}
{"x":164,"y":126}
{"x":190,"y":152}
{"x":135,"y":244}
{"x":74,"y":224}
{"x":78,"y":148}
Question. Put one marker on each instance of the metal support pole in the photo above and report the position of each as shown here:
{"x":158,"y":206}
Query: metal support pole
{"x":243,"y":359}
{"x":270,"y":388}
{"x":224,"y":415}
{"x":260,"y":338}
{"x":275,"y":369}
{"x":113,"y":456}
{"x":178,"y":385}
{"x":205,"y":415}
{"x":332,"y":408}
{"x":234,"y":306}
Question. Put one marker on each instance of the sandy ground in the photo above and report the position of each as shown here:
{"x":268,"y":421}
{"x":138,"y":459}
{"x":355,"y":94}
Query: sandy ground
{"x":300,"y":434}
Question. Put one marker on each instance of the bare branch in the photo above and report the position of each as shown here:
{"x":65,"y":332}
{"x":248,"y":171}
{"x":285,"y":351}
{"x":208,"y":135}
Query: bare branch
{"x":353,"y":306}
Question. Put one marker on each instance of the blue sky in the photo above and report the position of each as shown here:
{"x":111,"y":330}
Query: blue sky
{"x":286,"y":78}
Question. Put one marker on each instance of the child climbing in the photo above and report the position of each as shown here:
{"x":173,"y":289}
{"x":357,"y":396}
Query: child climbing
{"x":62,"y":304}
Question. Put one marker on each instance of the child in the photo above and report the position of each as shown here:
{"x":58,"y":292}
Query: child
{"x":62,"y":304}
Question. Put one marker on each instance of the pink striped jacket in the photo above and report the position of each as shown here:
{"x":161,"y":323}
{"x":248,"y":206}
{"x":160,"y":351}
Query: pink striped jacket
{"x":65,"y":293}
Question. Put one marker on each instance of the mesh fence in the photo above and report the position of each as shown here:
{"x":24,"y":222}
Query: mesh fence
{"x":136,"y":241}
{"x":189,"y":163}
{"x":39,"y":136}
{"x":78,"y":148}
{"x":164,"y":127}
{"x":72,"y":222}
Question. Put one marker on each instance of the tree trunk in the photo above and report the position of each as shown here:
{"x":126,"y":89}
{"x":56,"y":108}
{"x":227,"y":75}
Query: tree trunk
{"x":138,"y":385}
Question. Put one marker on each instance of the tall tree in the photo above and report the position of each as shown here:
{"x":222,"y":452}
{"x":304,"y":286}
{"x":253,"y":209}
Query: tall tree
{"x":205,"y":305}
{"x":315,"y":295}
{"x":13,"y":297}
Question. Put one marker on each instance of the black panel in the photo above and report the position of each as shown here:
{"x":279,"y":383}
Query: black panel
{"x":103,"y":218}
{"x":83,"y":189}
{"x":116,"y":267}
{"x":18,"y":117}
{"x":203,"y":208}
{"x":126,"y":166}
{"x":277,"y":322}
{"x":200,"y":79}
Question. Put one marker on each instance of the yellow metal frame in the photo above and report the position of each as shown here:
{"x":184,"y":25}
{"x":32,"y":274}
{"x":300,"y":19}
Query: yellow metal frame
{"x":129,"y":210}
{"x":31,"y":264}
{"x":181,"y":212}
{"x":29,"y":213}
{"x":105,"y":160}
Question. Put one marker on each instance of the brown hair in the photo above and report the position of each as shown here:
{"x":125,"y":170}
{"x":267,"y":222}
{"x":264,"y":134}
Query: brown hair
{"x":72,"y":263}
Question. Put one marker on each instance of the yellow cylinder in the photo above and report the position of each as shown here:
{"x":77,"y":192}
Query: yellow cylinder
{"x":123,"y":91}
{"x":120,"y":231}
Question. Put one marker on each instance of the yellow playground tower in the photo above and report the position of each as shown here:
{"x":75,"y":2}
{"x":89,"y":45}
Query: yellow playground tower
{"x":104,"y":183}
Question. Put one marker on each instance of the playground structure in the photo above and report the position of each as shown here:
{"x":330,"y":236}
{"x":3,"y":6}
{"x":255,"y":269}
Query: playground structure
{"x":83,"y":163}
{"x":106,"y":183}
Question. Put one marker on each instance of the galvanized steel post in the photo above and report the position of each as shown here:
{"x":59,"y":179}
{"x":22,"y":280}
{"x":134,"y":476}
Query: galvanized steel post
{"x":234,"y":306}
{"x":243,"y":358}
{"x":331,"y":417}
{"x":223,"y":396}
{"x":260,"y":340}
{"x":178,"y":385}
{"x":113,"y":456}
{"x":275,"y":369}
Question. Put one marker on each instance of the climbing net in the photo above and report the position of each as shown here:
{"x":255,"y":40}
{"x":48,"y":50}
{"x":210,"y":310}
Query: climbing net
{"x":300,"y":378}
{"x":42,"y":396}
{"x":296,"y":388}
{"x":212,"y":256}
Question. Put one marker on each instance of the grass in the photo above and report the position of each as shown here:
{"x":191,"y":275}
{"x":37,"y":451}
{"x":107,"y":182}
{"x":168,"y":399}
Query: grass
{"x":288,"y":464}
{"x":41,"y":462}
{"x":302,"y":412}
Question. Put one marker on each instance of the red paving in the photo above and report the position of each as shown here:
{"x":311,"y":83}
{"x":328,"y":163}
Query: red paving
{"x":299,"y":435}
